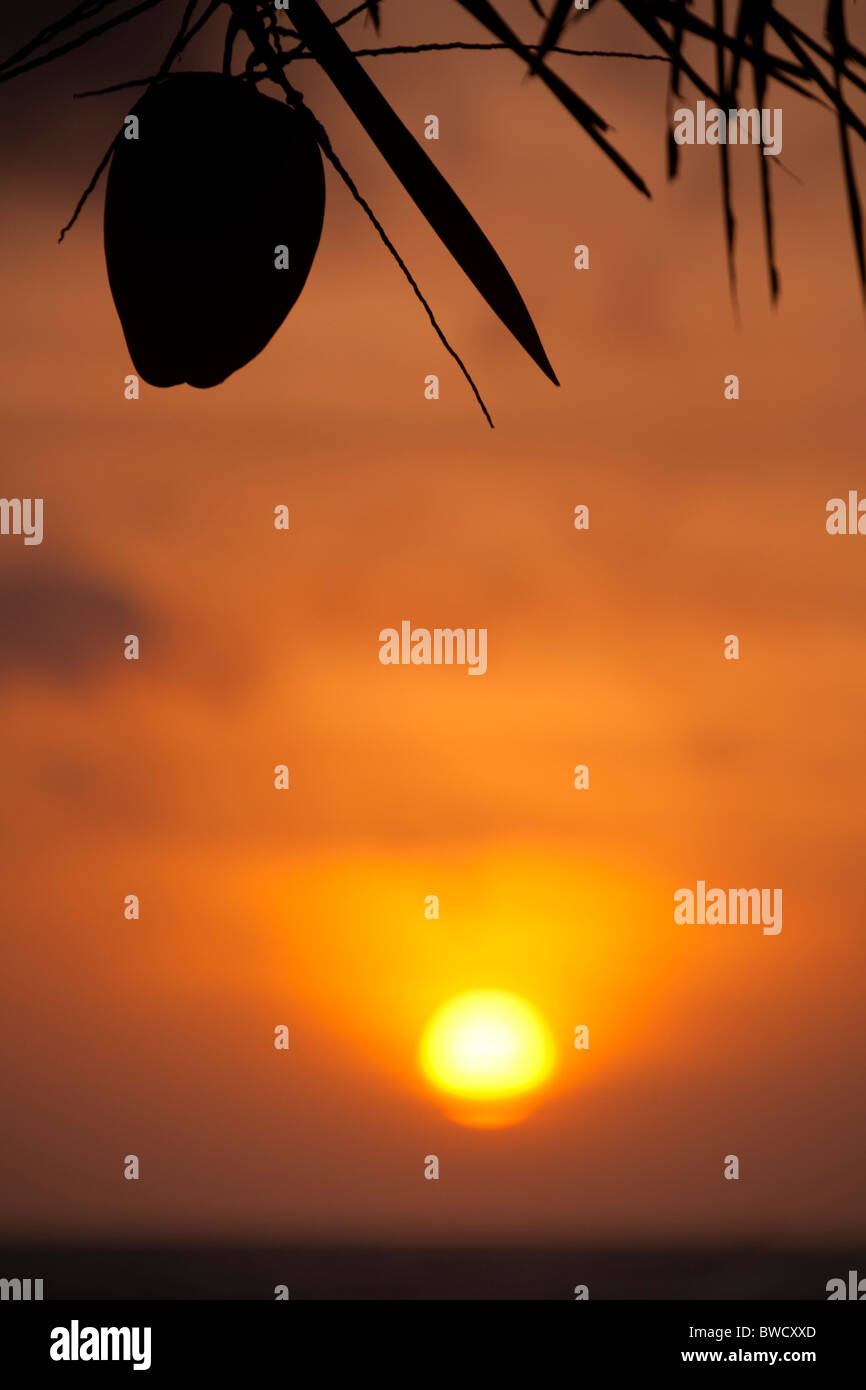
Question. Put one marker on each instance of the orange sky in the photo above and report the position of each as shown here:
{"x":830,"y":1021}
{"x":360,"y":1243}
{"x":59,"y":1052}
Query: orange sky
{"x":605,"y":647}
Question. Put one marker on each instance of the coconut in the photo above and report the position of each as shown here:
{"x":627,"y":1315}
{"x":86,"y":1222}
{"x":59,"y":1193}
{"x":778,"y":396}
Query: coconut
{"x":213,"y":215}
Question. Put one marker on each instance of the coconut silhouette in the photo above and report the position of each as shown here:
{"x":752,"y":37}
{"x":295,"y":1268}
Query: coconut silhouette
{"x":213,"y":215}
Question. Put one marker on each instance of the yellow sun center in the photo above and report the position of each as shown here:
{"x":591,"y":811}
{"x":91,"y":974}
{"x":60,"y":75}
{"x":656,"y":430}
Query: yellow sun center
{"x":487,"y":1044}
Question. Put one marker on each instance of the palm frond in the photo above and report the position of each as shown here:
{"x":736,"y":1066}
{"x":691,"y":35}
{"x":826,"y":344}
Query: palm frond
{"x":823,"y":67}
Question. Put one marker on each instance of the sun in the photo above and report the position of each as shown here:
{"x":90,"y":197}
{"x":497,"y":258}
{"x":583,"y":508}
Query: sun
{"x":487,"y":1044}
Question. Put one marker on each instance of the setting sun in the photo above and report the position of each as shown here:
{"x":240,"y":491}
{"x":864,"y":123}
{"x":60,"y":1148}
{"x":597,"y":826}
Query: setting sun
{"x":487,"y":1044}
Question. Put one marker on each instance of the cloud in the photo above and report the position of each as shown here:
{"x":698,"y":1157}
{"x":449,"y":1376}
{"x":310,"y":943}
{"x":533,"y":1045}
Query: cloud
{"x":61,"y":626}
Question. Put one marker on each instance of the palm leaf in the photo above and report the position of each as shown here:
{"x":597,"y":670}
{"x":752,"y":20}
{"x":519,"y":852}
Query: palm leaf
{"x":429,"y":190}
{"x":676,"y":75}
{"x":758,"y":22}
{"x":724,"y":154}
{"x":640,"y":12}
{"x":839,"y":41}
{"x":670,"y":11}
{"x":555,"y":25}
{"x":590,"y":120}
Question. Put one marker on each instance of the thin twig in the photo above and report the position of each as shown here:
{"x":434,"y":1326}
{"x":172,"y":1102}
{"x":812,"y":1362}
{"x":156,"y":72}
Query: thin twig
{"x":7,"y":74}
{"x":178,"y":43}
{"x":350,"y":184}
{"x":287,"y":33}
{"x":301,"y":50}
{"x":232,"y":31}
{"x":88,"y":190}
{"x":201,"y":22}
{"x":483,"y":48}
{"x":77,"y":15}
{"x":416,"y":48}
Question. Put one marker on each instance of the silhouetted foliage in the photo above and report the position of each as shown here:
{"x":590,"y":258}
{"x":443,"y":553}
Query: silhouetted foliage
{"x":741,"y":35}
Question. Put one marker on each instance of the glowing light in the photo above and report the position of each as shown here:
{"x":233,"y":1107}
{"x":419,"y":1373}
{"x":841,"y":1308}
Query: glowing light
{"x":487,"y":1044}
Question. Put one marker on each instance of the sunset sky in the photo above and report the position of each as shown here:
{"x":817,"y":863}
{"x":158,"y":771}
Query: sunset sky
{"x":258,"y":647}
